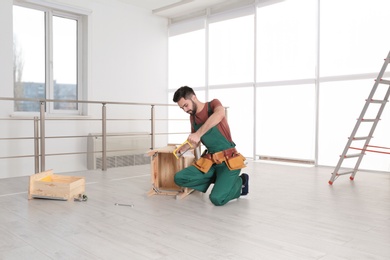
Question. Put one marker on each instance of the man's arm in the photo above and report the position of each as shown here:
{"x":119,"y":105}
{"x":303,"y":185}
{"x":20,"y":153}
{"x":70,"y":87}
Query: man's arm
{"x":213,"y":120}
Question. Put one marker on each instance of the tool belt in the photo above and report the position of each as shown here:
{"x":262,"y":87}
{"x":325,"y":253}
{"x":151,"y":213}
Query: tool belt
{"x":231,"y":157}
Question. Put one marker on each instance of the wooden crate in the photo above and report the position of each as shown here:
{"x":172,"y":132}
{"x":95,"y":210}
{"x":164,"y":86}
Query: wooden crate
{"x":164,"y":166}
{"x":52,"y":186}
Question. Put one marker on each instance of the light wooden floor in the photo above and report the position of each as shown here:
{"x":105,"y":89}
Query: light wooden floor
{"x":290,"y":213}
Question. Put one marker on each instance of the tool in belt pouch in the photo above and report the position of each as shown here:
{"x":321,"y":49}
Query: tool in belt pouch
{"x":235,"y":160}
{"x":204,"y":163}
{"x":231,"y":157}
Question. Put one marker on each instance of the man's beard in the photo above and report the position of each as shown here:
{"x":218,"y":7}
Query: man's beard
{"x":194,"y":108}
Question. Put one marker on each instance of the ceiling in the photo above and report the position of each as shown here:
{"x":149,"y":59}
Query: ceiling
{"x":176,"y":8}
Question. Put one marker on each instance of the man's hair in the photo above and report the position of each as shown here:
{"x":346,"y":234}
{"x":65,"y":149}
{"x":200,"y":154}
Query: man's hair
{"x":183,"y":92}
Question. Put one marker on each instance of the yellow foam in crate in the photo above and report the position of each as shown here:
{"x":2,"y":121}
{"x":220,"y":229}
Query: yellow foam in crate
{"x":47,"y":179}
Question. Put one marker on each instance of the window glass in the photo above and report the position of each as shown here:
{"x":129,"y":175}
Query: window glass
{"x":338,"y":113}
{"x":187,"y":59}
{"x":29,"y":57}
{"x":286,"y":122}
{"x":286,"y":40}
{"x":231,"y":51}
{"x":65,"y":62}
{"x":356,"y":43}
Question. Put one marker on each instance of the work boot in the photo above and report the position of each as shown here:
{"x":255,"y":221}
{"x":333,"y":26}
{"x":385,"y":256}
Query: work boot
{"x":245,"y":184}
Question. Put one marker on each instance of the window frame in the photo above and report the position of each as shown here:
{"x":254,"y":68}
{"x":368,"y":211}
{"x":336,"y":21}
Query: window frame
{"x":81,"y":18}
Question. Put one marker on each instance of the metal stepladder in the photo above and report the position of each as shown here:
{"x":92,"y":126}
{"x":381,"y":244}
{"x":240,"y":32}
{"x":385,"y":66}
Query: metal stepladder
{"x":369,"y":101}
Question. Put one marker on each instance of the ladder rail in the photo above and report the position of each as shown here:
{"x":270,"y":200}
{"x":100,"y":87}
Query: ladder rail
{"x":354,"y":131}
{"x":382,"y":107}
{"x":369,"y":100}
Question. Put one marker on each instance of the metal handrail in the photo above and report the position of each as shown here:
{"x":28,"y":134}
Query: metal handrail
{"x":40,"y":125}
{"x":83,"y":101}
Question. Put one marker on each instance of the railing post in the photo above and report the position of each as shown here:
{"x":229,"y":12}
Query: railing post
{"x":42,"y":130}
{"x":36,"y":144}
{"x":226,"y":113}
{"x":153,"y":124}
{"x":104,"y":137}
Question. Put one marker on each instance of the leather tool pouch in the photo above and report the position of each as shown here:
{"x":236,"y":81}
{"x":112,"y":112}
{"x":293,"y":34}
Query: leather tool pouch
{"x":235,"y":161}
{"x":203,"y":164}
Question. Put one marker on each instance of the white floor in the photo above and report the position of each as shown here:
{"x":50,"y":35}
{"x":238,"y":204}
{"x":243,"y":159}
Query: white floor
{"x":290,"y":213}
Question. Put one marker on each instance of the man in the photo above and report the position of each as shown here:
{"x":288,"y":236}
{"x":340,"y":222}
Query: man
{"x":220,"y":163}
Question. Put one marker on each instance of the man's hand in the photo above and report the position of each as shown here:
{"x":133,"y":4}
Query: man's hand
{"x":184,"y":148}
{"x":194,"y":139}
{"x":180,"y":150}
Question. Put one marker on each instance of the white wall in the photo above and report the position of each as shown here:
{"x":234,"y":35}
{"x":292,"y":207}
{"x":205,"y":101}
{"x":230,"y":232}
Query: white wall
{"x":128,"y":53}
{"x":127,"y":62}
{"x":6,"y":53}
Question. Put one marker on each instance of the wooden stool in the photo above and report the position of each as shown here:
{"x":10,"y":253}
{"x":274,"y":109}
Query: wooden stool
{"x":164,"y":166}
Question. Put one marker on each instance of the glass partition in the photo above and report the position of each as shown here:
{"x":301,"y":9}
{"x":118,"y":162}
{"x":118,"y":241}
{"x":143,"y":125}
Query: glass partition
{"x":187,"y":59}
{"x":286,"y":122}
{"x":286,"y":40}
{"x":231,"y":51}
{"x":353,"y":43}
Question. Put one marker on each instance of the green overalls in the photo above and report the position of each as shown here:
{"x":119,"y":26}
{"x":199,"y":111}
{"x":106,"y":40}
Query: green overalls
{"x":227,"y":184}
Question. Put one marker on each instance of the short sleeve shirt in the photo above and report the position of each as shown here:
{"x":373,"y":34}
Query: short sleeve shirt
{"x":202,"y":116}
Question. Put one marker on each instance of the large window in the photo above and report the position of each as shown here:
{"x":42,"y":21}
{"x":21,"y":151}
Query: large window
{"x":295,"y":75}
{"x":352,"y":45}
{"x":286,"y":51}
{"x":47,"y":59}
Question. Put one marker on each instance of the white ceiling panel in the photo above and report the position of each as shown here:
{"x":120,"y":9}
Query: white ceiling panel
{"x":177,"y":8}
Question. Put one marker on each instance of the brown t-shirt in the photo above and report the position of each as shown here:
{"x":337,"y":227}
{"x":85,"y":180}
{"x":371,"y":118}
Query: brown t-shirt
{"x":200,"y":118}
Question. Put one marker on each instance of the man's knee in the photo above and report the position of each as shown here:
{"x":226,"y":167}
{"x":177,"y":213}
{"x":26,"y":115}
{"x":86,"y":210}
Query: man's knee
{"x":178,"y":179}
{"x":217,"y":200}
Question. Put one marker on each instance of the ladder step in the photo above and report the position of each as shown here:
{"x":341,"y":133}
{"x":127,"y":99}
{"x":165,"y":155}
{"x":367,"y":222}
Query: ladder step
{"x":369,"y":120}
{"x":352,"y":155}
{"x":384,"y":81}
{"x":344,"y":173}
{"x":378,"y":101}
{"x":360,"y":138}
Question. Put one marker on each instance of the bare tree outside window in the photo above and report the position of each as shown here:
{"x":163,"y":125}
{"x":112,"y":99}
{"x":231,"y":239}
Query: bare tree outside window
{"x":29,"y":57}
{"x":18,"y":73}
